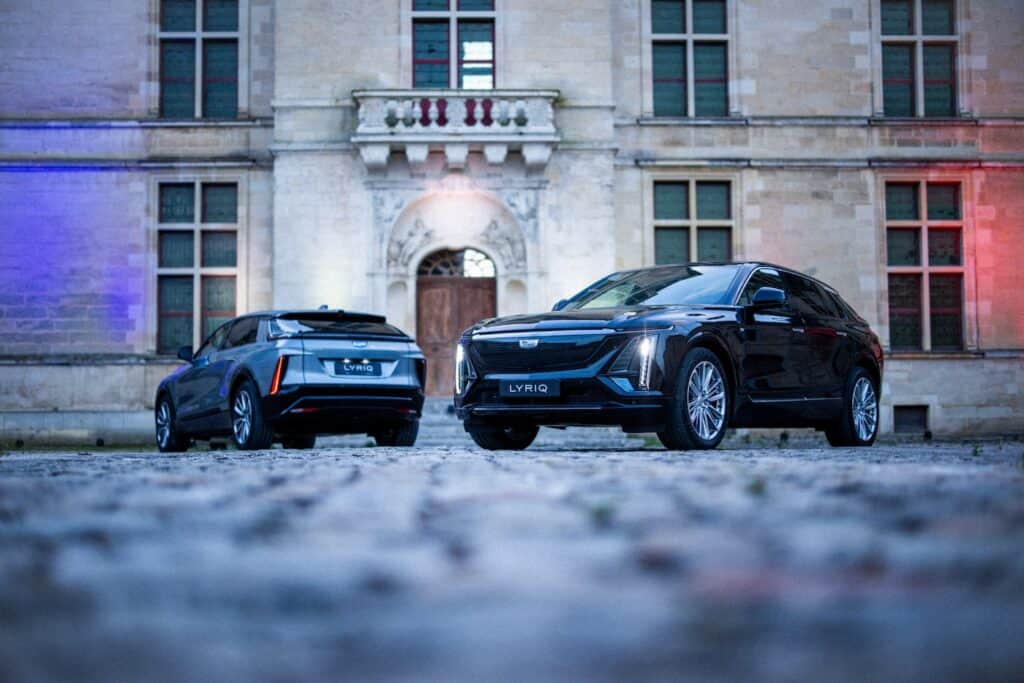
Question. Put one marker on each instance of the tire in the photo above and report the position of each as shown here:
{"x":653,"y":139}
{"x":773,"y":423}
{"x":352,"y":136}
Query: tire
{"x":399,"y":436}
{"x":858,"y":425}
{"x":699,"y":409}
{"x":302,"y":442}
{"x":169,"y":438}
{"x":506,"y":438}
{"x":245,"y":404}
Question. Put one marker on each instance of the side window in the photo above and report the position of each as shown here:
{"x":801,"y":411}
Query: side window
{"x":807,"y":298}
{"x":243,"y":332}
{"x":763,"y":277}
{"x":215,"y":341}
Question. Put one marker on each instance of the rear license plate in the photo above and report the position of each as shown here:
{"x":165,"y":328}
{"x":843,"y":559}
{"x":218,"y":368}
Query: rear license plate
{"x":357,"y":369}
{"x":529,"y":389}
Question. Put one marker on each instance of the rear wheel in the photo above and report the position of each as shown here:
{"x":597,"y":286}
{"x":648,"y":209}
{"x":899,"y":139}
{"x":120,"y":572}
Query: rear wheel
{"x":858,"y":425}
{"x":699,"y":410}
{"x":300,"y":443}
{"x":168,"y":438}
{"x":505,"y":439}
{"x":249,"y":430}
{"x":400,"y":436}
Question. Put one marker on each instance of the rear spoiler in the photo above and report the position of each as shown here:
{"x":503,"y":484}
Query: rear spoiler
{"x":339,"y":315}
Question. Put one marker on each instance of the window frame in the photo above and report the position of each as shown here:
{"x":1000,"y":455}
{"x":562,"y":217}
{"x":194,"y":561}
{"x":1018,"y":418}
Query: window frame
{"x":198,"y":37}
{"x":453,"y":15}
{"x":687,"y":39}
{"x":692,"y":224}
{"x":918,"y":40}
{"x":196,"y":227}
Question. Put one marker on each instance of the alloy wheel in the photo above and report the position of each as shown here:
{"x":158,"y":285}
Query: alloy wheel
{"x":163,"y":424}
{"x":865,"y":409}
{"x":705,"y":400}
{"x":242,"y":422}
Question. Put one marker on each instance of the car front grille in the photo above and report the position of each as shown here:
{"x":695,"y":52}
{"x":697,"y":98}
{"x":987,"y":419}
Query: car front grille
{"x":561,"y":352}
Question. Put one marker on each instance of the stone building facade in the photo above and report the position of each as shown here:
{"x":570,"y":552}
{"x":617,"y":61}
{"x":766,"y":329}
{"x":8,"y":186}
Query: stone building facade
{"x":167,"y":163}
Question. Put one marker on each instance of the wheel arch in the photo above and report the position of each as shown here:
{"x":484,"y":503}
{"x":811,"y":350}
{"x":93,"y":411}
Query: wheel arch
{"x":711,"y":342}
{"x":241,"y":375}
{"x":867,"y":363}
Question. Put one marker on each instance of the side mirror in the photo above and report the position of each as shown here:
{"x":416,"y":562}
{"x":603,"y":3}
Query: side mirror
{"x":185,"y":354}
{"x":769,"y":297}
{"x":560,"y":304}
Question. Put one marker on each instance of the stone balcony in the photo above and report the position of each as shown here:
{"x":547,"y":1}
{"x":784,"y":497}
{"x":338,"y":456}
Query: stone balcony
{"x":455,"y":122}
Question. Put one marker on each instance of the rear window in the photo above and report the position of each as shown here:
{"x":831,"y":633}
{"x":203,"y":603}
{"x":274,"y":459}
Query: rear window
{"x":333,"y":324}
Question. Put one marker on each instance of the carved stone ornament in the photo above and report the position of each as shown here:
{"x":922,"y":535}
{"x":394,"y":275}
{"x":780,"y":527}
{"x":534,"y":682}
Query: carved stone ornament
{"x":407,"y":242}
{"x":508,"y":245}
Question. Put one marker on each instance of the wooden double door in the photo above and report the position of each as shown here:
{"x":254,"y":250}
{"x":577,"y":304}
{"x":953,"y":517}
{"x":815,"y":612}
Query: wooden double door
{"x":445,"y":306}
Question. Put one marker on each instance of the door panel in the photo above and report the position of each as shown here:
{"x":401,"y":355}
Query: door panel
{"x":445,"y":306}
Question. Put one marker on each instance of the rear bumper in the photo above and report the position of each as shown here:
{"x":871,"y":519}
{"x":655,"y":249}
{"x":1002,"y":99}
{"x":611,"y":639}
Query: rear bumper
{"x":341,"y":410}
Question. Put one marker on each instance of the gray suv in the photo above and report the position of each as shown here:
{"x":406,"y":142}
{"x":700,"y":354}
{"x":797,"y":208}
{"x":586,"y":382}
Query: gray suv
{"x":288,"y":376}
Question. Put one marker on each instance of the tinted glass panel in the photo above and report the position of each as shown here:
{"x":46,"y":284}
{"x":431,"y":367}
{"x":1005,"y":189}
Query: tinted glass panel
{"x":331,"y":323}
{"x":177,"y":203}
{"x":220,"y":15}
{"x":946,"y":312}
{"x":178,"y":15}
{"x":939,"y":81}
{"x":710,"y":78}
{"x":668,"y":16}
{"x":806,"y":298}
{"x":713,"y":200}
{"x":430,"y":54}
{"x":937,"y":17}
{"x":905,"y":311}
{"x":214,"y":341}
{"x":219,"y":250}
{"x":898,"y":80}
{"x":709,"y":16}
{"x":476,"y":5}
{"x":476,"y":55}
{"x":671,"y":245}
{"x":242,"y":332}
{"x":897,"y":17}
{"x":671,"y":201}
{"x":761,"y":278}
{"x":218,"y":302}
{"x":174,"y":303}
{"x":714,"y":244}
{"x":176,"y":249}
{"x":431,"y":5}
{"x":943,"y":202}
{"x":944,"y":247}
{"x":668,"y":286}
{"x":177,"y":79}
{"x":220,"y":203}
{"x":669,"y":79}
{"x":901,"y":202}
{"x":903,"y":247}
{"x":220,"y":79}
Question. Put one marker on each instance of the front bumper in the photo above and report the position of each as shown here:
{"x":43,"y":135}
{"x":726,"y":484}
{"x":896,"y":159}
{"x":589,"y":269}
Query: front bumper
{"x":341,"y":410}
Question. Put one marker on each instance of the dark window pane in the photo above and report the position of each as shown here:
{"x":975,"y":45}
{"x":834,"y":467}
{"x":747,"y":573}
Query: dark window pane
{"x":430,"y":54}
{"x":898,"y":80}
{"x":910,"y":419}
{"x":669,"y":79}
{"x":905,"y":311}
{"x":219,"y":250}
{"x":476,"y":55}
{"x":939,"y":81}
{"x":764,"y":277}
{"x":174,"y":305}
{"x":476,"y":5}
{"x":937,"y":17}
{"x":431,"y":5}
{"x":901,"y":202}
{"x":220,"y":79}
{"x":177,"y":79}
{"x":671,"y":201}
{"x":710,"y":97}
{"x":943,"y":202}
{"x":178,"y":15}
{"x":218,"y":302}
{"x":714,"y":244}
{"x":947,"y":312}
{"x":668,"y":16}
{"x":242,"y":332}
{"x":176,"y":249}
{"x":713,"y":200}
{"x":944,"y":247}
{"x":903,"y":247}
{"x":709,"y":16}
{"x":671,"y":245}
{"x":177,"y":203}
{"x":220,"y":15}
{"x":897,"y":17}
{"x":220,"y":203}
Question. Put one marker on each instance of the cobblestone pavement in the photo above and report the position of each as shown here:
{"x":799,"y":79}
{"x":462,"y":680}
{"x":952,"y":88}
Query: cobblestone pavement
{"x":901,"y":562}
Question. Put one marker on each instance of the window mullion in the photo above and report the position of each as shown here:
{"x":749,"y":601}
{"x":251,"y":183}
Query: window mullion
{"x":926,"y":289}
{"x":197,"y":264}
{"x":692,"y":215}
{"x":691,"y":108}
{"x":919,"y":77}
{"x":453,"y":51}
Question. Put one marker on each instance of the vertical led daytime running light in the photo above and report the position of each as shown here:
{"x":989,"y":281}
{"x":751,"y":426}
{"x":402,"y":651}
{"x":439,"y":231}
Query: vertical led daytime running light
{"x":460,"y":358}
{"x":646,"y":351}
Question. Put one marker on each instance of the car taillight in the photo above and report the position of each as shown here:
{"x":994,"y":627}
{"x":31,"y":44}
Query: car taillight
{"x":279,"y":370}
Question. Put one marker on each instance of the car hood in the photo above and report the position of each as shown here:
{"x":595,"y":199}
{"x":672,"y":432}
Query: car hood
{"x":620,"y":319}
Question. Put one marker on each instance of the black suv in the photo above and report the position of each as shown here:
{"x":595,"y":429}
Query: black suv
{"x":685,"y":351}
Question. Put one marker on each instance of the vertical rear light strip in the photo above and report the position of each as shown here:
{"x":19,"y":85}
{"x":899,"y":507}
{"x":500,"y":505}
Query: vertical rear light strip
{"x":282,"y":367}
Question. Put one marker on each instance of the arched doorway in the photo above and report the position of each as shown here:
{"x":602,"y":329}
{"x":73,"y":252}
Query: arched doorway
{"x":454,"y":289}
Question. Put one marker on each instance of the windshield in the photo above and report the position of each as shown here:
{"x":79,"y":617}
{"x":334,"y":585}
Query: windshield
{"x":665,"y":286}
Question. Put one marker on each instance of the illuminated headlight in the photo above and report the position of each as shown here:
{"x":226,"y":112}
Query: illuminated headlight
{"x":635,"y":363}
{"x":463,"y":370}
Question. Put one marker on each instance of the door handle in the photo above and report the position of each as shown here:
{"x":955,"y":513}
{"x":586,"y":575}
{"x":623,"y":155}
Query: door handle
{"x":843,"y":334}
{"x":799,"y":330}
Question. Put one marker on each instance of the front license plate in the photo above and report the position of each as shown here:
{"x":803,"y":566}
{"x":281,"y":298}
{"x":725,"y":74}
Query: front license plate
{"x":529,"y":388}
{"x":357,"y":369}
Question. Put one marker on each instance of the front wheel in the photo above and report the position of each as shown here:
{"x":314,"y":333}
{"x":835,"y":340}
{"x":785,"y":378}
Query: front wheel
{"x":699,"y":409}
{"x":505,"y":438}
{"x":399,"y":436}
{"x":858,"y":425}
{"x":168,"y":438}
{"x":249,"y":430}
